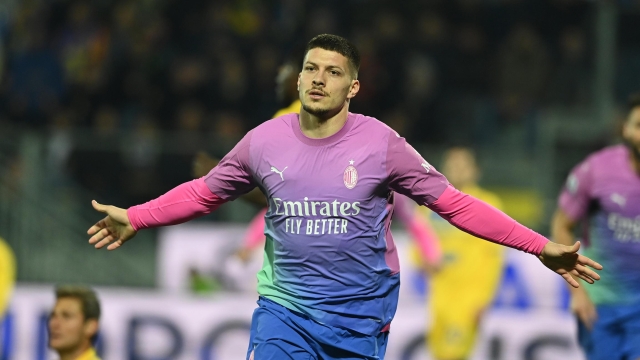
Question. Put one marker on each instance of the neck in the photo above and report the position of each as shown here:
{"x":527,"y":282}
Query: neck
{"x":316,"y":127}
{"x":73,"y":354}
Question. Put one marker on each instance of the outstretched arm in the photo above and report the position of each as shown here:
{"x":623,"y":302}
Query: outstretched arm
{"x":183,"y":203}
{"x":411,"y":175}
{"x":484,"y":221}
{"x":231,"y":178}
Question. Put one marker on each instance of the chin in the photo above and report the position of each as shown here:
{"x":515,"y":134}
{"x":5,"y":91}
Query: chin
{"x":317,"y":111}
{"x":56,"y":345}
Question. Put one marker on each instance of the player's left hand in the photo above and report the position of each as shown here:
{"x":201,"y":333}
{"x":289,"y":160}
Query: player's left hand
{"x":566,"y":261}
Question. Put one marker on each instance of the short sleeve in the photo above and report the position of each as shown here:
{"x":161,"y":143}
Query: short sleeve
{"x":233,"y":176}
{"x":576,"y":193}
{"x":411,"y":175}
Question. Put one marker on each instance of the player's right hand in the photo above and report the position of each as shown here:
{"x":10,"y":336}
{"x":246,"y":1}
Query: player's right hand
{"x":115,"y":229}
{"x":583,"y":307}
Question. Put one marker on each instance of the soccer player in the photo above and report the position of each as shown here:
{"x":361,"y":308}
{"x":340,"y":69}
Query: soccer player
{"x":287,"y":93}
{"x":604,"y":190}
{"x":7,"y":276}
{"x":475,"y":266}
{"x":74,"y":322}
{"x":329,"y":284}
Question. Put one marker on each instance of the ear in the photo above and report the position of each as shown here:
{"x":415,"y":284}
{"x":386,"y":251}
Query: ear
{"x":355,"y":87}
{"x":90,"y":328}
{"x":298,"y":82}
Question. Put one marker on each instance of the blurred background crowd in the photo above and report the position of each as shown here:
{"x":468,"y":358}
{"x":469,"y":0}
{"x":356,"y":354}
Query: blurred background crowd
{"x":111,"y":99}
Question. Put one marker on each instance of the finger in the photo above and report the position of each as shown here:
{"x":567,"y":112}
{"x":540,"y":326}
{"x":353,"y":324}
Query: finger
{"x":99,"y":236}
{"x":115,"y":245}
{"x":118,"y":243}
{"x":575,"y":247}
{"x":97,"y":227}
{"x":571,"y":249}
{"x":587,"y":272}
{"x":583,"y":277}
{"x":569,"y":279}
{"x":104,"y":241}
{"x":99,"y":207}
{"x":588,"y":262}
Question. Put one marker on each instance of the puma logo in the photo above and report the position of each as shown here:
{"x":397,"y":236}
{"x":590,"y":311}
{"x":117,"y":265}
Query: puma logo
{"x":618,"y":199}
{"x":273,"y":169}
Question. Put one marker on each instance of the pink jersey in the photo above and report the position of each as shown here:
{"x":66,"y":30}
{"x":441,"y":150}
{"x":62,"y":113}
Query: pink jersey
{"x":329,"y":252}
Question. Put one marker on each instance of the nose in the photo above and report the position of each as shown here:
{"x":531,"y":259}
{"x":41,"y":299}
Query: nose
{"x":317,"y":80}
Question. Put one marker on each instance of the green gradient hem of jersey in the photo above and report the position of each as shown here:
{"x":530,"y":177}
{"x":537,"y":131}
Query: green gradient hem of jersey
{"x":266,"y":286}
{"x":607,"y":290}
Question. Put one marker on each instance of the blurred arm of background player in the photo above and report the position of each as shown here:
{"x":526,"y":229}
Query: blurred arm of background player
{"x":287,"y":95}
{"x":421,"y":231}
{"x":562,"y":232}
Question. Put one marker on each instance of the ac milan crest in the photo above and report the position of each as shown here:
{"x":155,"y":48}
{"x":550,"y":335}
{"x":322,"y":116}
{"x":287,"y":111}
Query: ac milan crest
{"x":350,"y":176}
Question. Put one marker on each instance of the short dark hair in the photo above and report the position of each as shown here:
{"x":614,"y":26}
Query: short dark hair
{"x":634,"y":101}
{"x":88,"y":299}
{"x":340,"y":45}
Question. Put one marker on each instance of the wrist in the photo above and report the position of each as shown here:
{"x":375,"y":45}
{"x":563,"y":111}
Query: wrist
{"x":131,"y":214}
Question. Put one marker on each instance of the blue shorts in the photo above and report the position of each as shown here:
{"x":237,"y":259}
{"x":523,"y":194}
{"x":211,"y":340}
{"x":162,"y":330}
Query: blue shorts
{"x":615,"y":334}
{"x":278,"y":333}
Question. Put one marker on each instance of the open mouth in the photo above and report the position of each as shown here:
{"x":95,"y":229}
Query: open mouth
{"x":316,"y":94}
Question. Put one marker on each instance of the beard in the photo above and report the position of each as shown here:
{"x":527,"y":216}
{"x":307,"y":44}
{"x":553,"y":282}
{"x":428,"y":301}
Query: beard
{"x":635,"y":150}
{"x":319,"y":112}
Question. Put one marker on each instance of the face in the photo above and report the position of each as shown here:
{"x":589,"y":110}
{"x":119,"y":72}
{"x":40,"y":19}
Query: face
{"x":631,"y":131}
{"x":460,"y":168}
{"x":67,"y":329}
{"x":326,"y":84}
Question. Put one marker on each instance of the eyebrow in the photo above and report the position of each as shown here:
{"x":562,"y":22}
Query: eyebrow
{"x":328,"y":67}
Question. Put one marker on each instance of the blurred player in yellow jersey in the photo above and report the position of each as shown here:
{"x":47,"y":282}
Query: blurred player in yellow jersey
{"x":468,"y":278}
{"x":7,"y":276}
